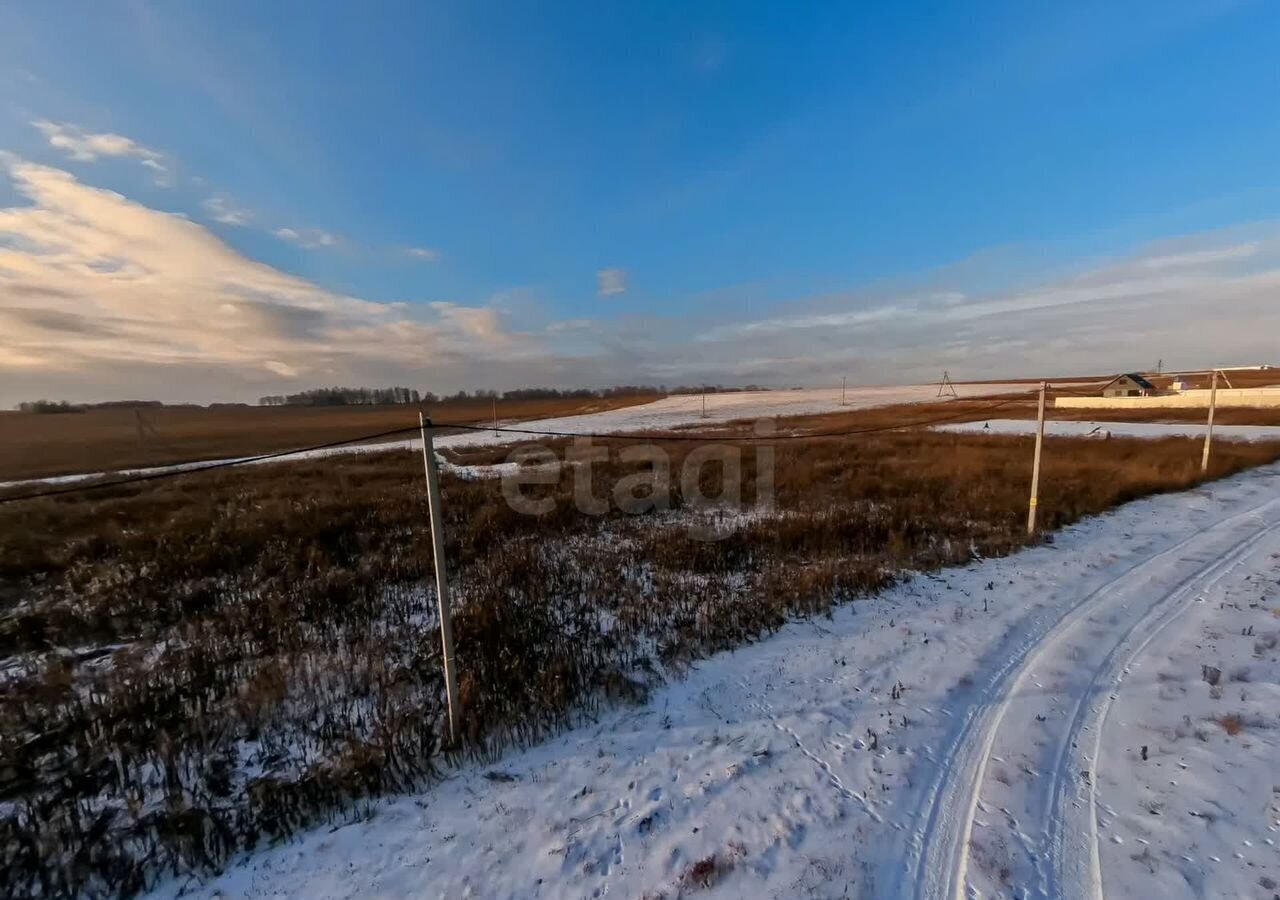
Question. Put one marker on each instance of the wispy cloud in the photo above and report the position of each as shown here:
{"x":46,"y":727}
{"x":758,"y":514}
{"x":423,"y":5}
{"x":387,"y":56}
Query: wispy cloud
{"x":310,"y":238}
{"x":709,"y":54}
{"x":100,"y":294}
{"x":98,"y":290}
{"x":222,"y":208}
{"x":566,"y":325}
{"x":1192,"y":302}
{"x":1202,"y":257}
{"x":610,"y":282}
{"x":85,"y":146}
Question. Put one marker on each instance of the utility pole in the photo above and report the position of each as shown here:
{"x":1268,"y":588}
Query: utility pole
{"x":844,"y":383}
{"x":442,"y":579}
{"x":1035,"y":465}
{"x":1208,"y":432}
{"x":704,"y":401}
{"x":495,"y":415}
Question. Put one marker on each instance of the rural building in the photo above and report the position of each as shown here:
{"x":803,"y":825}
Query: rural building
{"x":1130,"y":385}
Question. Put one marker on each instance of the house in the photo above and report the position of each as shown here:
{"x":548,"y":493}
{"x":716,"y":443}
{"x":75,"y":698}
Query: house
{"x":1129,"y":385}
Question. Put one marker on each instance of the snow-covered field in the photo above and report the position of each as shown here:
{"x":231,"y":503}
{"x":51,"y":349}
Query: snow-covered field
{"x":972,"y":733}
{"x":1118,"y":429}
{"x":686,"y":410}
{"x":1185,"y":820}
{"x":670,"y":412}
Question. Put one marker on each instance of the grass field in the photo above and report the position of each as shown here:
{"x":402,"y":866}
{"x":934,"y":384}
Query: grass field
{"x":1239,"y":378}
{"x":46,"y":445}
{"x":102,"y":440}
{"x":1025,"y":408}
{"x":195,"y":666}
{"x":1230,"y":415}
{"x":998,"y":407}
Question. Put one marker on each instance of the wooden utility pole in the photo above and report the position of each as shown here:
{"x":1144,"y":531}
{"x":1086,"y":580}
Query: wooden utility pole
{"x":844,"y":383}
{"x":442,"y":578}
{"x":1035,"y":465}
{"x":495,"y":415}
{"x":704,"y":402}
{"x":1208,"y":432}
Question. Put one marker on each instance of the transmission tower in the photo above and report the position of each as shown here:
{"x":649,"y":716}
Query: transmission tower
{"x":945,"y":386}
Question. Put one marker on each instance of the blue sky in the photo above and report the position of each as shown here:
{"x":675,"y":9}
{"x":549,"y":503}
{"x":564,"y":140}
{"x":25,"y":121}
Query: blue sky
{"x":579,"y":193}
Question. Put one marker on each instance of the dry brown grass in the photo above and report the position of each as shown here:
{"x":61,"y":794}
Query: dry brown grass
{"x":195,"y":665}
{"x":1231,"y":724}
{"x":1229,"y":415}
{"x":705,"y":873}
{"x":903,"y":414}
{"x":977,"y":410}
{"x":1242,"y":378}
{"x":1032,"y":382}
{"x":101,"y":440}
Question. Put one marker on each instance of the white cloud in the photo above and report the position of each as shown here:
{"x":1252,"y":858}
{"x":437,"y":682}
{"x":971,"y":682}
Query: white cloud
{"x":84,"y":146}
{"x":426,"y":254}
{"x":610,"y":282}
{"x":852,"y":318}
{"x":222,"y":208}
{"x":100,"y":295}
{"x":284,"y":370}
{"x":569,"y":325}
{"x":1190,"y":302}
{"x":98,"y":290}
{"x":709,"y":55}
{"x":310,"y":238}
{"x":1201,"y":257}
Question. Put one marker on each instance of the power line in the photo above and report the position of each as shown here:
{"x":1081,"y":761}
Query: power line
{"x":191,"y":469}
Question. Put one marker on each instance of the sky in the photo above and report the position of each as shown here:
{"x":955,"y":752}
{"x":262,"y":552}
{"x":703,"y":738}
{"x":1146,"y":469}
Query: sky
{"x":217,"y":201}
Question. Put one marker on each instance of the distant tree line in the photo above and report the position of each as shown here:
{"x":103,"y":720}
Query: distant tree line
{"x":343,"y":396}
{"x":62,"y":406}
{"x":713,"y":389}
{"x":357,"y":396}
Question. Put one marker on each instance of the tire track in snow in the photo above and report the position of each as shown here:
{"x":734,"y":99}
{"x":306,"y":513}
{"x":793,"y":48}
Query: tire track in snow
{"x":1048,"y":853}
{"x":938,"y":854}
{"x":1078,"y":870}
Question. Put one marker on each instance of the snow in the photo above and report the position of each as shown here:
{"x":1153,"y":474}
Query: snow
{"x":1204,"y":808}
{"x":966,"y":733}
{"x":476,"y":472}
{"x":671,"y":412}
{"x":1117,"y":429}
{"x":1019,"y":806}
{"x":686,"y":410}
